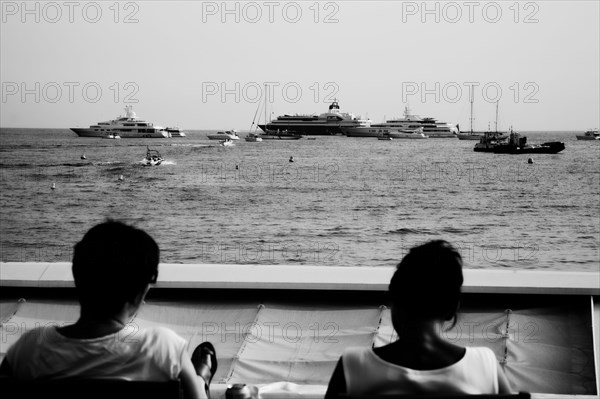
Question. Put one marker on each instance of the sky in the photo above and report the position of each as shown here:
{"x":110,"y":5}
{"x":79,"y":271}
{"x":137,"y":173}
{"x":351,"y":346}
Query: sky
{"x":207,"y":65}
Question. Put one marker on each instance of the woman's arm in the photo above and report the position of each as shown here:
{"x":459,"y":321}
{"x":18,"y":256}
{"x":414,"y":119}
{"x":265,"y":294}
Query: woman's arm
{"x":337,"y":383}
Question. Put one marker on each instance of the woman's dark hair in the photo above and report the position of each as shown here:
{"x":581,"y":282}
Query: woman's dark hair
{"x":427,"y":282}
{"x":112,"y":265}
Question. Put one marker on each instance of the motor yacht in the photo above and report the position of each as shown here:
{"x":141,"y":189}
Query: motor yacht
{"x":331,"y":122}
{"x":410,"y":123}
{"x":378,"y":130}
{"x":127,"y":126}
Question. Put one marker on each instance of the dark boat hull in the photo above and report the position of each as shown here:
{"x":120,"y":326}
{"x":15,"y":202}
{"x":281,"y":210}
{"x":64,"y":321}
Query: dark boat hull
{"x":281,"y":137}
{"x":545,"y":148}
{"x":319,"y":130}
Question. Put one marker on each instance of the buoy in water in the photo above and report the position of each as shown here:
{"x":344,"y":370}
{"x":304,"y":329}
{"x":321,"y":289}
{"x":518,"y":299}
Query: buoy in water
{"x":237,"y":167}
{"x":83,"y":156}
{"x":120,"y":177}
{"x":53,"y":186}
{"x":530,"y":160}
{"x":291,"y":159}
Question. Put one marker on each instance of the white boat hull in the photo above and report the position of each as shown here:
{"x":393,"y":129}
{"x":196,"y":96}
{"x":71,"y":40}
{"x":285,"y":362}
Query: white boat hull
{"x":408,"y":136}
{"x":441,"y":135}
{"x":222,"y":137}
{"x":87,"y":132}
{"x":154,"y":135}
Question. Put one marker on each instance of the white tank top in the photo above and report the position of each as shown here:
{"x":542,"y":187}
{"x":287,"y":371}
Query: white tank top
{"x":368,"y":374}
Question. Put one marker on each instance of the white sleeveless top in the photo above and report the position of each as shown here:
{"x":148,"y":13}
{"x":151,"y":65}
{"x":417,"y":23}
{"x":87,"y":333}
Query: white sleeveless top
{"x":368,"y":374}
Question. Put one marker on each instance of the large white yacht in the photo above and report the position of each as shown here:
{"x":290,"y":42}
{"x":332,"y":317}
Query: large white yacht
{"x":128,"y":126}
{"x":431,"y":126}
{"x":328,"y":123}
{"x":382,"y":129}
{"x":409,"y":123}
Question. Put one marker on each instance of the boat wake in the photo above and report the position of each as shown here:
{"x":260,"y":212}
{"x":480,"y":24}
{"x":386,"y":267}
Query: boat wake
{"x":191,"y":145}
{"x":107,"y":163}
{"x":407,"y":231}
{"x":165,"y":162}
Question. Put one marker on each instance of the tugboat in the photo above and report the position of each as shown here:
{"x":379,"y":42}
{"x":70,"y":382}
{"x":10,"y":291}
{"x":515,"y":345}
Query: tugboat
{"x":515,"y":144}
{"x":153,"y":157}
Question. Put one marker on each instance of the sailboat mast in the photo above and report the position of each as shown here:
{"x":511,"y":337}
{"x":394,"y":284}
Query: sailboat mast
{"x":496,"y":124}
{"x":471,"y":109}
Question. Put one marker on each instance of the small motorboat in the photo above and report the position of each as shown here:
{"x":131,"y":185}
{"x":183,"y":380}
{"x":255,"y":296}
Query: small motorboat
{"x":112,"y":136}
{"x":253,"y":137}
{"x":229,"y":134}
{"x":175,"y":131}
{"x":416,"y":133}
{"x":153,"y":157}
{"x":280,"y":135}
{"x":384,"y":137}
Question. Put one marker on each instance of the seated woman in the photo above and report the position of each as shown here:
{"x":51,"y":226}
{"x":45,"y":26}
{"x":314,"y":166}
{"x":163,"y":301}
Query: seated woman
{"x":424,"y":293}
{"x":113,"y":267}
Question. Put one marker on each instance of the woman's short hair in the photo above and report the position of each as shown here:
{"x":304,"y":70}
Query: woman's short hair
{"x":113,"y":264}
{"x":427,"y":282}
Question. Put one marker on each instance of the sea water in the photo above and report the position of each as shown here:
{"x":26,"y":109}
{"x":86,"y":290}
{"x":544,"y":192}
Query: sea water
{"x":342,"y":202}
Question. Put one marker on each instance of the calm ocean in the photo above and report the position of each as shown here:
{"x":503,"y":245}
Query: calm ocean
{"x":343,"y":202}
